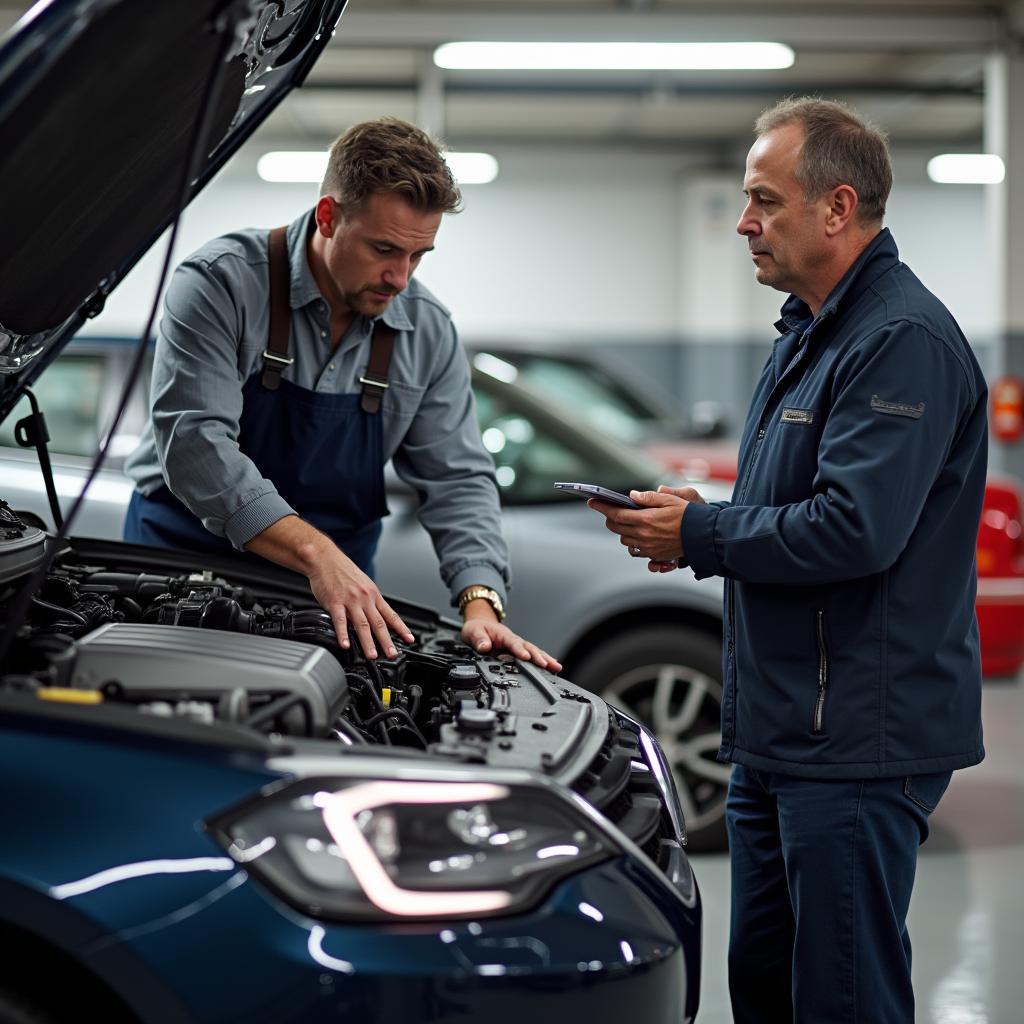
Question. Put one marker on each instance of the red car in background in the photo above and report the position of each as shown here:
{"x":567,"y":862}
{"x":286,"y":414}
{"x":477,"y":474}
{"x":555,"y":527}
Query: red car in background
{"x":691,"y":447}
{"x":1000,"y":602}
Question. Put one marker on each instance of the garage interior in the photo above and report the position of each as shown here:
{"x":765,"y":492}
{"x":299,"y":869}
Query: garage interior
{"x":609,"y":230}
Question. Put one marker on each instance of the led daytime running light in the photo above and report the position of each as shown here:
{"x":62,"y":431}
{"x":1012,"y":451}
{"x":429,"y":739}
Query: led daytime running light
{"x":340,"y":810}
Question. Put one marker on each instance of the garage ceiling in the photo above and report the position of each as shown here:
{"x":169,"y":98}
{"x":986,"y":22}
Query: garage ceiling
{"x":915,"y":65}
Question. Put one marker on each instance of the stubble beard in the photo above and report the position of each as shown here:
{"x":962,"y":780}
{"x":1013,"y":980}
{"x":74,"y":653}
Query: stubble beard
{"x":362,"y":302}
{"x":772,"y":276}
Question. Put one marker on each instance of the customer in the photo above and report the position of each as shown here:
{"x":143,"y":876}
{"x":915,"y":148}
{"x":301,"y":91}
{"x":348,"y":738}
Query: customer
{"x":852,"y":667}
{"x":292,"y":364}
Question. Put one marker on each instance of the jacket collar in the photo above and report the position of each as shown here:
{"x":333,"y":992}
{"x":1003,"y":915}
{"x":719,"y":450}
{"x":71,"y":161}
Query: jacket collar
{"x":303,"y":287}
{"x":879,"y":256}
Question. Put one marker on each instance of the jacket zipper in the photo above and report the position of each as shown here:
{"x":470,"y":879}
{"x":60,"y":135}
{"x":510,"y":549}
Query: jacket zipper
{"x":738,"y":496}
{"x":762,"y":429}
{"x":762,"y":424}
{"x":819,"y":704}
{"x":729,"y":728}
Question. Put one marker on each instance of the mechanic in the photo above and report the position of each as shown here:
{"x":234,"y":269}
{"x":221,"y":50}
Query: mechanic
{"x":852,"y":664}
{"x":291,"y":365}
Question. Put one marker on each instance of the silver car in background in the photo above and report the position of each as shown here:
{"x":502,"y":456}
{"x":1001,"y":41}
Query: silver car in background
{"x":648,"y":643}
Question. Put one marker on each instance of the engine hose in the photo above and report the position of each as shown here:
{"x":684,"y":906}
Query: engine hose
{"x":277,"y":707}
{"x":62,"y":613}
{"x":401,"y":714}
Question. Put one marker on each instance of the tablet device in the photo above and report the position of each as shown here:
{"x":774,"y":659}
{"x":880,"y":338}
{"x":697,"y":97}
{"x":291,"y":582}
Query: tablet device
{"x":601,"y":493}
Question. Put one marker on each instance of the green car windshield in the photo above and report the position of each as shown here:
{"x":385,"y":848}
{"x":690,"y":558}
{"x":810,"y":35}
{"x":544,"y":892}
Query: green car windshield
{"x":534,"y":444}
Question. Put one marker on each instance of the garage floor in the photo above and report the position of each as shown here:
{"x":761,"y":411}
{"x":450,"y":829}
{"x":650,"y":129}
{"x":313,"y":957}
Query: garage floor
{"x":967,"y":914}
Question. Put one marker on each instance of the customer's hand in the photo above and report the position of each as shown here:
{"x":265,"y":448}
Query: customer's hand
{"x":485,"y":634}
{"x":688,"y":494}
{"x":651,"y":532}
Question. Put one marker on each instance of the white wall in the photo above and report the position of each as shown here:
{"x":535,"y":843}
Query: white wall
{"x":604,"y":245}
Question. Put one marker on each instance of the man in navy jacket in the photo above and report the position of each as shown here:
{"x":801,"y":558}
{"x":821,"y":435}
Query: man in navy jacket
{"x":852,"y":666}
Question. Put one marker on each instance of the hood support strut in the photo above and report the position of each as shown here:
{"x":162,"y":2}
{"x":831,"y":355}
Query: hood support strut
{"x":31,"y":432}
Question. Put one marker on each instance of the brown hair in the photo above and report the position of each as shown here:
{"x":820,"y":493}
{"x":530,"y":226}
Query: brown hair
{"x":840,"y":148}
{"x":389,"y":155}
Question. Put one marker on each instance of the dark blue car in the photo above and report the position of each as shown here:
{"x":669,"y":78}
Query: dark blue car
{"x":211,"y":811}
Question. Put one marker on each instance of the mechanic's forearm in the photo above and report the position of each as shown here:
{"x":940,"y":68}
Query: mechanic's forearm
{"x":293,"y":543}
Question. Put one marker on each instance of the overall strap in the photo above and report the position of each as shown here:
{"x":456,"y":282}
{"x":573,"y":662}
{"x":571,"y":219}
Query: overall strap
{"x":275,"y":356}
{"x":375,"y":382}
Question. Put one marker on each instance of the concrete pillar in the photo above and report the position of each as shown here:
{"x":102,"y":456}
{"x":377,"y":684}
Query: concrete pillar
{"x":430,"y":99}
{"x":1004,"y":135}
{"x":724,"y":317}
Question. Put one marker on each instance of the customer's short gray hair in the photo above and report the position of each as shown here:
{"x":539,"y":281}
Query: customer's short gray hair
{"x":840,"y":148}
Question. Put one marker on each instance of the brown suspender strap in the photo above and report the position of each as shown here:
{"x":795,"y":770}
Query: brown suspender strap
{"x":275,"y":356}
{"x":375,"y":382}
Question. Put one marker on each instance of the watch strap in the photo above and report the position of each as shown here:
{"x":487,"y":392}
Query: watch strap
{"x":480,"y":592}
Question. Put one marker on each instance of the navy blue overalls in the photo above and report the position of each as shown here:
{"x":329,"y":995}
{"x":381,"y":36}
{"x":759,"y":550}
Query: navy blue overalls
{"x":323,"y":452}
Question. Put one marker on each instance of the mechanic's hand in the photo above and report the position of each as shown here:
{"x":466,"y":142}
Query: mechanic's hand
{"x":485,"y":634}
{"x":350,"y":597}
{"x":340,"y":587}
{"x":653,"y":531}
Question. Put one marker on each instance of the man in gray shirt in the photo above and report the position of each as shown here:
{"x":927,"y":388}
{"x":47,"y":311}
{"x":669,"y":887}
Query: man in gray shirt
{"x":291,"y":365}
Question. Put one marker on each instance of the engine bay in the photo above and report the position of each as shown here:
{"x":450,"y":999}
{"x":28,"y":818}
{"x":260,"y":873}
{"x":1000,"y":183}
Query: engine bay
{"x":230,"y":650}
{"x":221,"y":643}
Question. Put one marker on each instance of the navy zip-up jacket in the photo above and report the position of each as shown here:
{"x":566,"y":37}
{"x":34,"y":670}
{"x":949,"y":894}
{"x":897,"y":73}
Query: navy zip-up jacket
{"x":849,"y":546}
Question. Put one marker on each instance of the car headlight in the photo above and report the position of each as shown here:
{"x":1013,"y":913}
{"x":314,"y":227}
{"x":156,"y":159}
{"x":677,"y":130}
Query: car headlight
{"x":398,"y":848}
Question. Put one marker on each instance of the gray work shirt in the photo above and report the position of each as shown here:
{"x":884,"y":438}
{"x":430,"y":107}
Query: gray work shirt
{"x":211,"y":340}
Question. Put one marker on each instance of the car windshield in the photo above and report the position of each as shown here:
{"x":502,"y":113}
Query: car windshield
{"x":69,"y":394}
{"x":534,"y":445}
{"x":587,"y":391}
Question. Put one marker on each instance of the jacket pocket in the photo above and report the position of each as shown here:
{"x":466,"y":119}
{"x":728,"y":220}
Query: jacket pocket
{"x":818,"y":719}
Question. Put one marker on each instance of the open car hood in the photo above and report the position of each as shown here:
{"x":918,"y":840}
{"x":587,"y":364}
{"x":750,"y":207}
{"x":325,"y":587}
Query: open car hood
{"x":99,"y":100}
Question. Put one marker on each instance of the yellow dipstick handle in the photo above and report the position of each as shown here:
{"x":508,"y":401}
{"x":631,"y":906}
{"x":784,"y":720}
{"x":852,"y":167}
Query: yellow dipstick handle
{"x":66,"y":695}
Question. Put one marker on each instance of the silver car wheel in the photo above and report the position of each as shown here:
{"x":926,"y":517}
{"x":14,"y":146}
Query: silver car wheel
{"x":682,"y":705}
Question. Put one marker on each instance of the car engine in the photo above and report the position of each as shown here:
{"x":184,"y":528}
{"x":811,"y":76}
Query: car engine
{"x":238,"y":646}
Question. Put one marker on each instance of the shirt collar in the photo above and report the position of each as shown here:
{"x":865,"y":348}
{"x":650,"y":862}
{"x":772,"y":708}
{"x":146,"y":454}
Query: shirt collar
{"x":303,"y":286}
{"x":879,"y":255}
{"x":397,"y":314}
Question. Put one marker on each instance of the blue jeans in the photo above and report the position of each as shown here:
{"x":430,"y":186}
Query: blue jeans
{"x":822,"y":871}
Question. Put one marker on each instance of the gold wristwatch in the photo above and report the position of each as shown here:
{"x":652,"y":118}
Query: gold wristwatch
{"x":492,"y":597}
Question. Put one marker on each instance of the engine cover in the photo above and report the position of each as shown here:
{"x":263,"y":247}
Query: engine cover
{"x":185,"y":663}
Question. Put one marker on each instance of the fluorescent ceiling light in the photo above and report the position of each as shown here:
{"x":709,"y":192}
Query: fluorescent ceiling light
{"x":309,"y":166}
{"x":966,"y":169}
{"x":292,"y":165}
{"x":472,"y":168}
{"x":613,"y":56}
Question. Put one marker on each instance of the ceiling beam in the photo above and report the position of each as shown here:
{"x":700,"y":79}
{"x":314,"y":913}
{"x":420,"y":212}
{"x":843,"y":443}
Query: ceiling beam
{"x":967,"y":29}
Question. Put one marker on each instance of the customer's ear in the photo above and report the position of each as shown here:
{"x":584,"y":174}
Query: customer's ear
{"x":842,"y":207}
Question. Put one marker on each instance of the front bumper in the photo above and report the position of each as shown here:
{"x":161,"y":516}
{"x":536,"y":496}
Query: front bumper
{"x":618,"y":939}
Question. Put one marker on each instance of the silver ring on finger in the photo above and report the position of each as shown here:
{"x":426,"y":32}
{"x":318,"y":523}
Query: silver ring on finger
{"x":634,"y":550}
